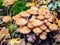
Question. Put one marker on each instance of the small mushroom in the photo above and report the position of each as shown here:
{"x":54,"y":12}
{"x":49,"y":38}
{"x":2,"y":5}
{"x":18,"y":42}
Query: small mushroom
{"x":24,"y":30}
{"x":32,"y":11}
{"x":45,"y":20}
{"x":51,"y":19}
{"x":43,"y":37}
{"x":16,"y":17}
{"x":44,"y":33}
{"x":8,"y":2}
{"x":34,"y":8}
{"x":47,"y":16}
{"x":37,"y":30}
{"x":41,"y":17}
{"x":47,"y":30}
{"x":29,"y":25}
{"x":1,"y":17}
{"x":53,"y":27}
{"x":6,"y":19}
{"x":48,"y":23}
{"x":32,"y":19}
{"x":42,"y":10}
{"x":43,"y":27}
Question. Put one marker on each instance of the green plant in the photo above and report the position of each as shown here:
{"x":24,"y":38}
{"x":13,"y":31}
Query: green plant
{"x":18,"y":6}
{"x":12,"y":28}
{"x":1,"y":2}
{"x":54,"y":6}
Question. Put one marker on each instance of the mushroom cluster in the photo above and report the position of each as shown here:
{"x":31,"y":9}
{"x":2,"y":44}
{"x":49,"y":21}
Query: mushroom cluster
{"x":40,"y":21}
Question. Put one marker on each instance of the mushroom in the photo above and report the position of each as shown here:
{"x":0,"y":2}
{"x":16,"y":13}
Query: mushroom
{"x":47,"y":16}
{"x":45,"y":20}
{"x":21,"y":22}
{"x":41,"y":17}
{"x":6,"y":19}
{"x":53,"y":27}
{"x":57,"y":37}
{"x":42,"y":10}
{"x":44,"y":33}
{"x":32,"y":19}
{"x":16,"y":17}
{"x":8,"y":2}
{"x":29,"y":4}
{"x":47,"y":30}
{"x":32,"y":11}
{"x":51,"y":19}
{"x":37,"y":22}
{"x":43,"y":37}
{"x":24,"y":30}
{"x":34,"y":8}
{"x":29,"y":25}
{"x":43,"y":27}
{"x":48,"y":23}
{"x":25,"y":14}
{"x":1,"y":17}
{"x":37,"y":30}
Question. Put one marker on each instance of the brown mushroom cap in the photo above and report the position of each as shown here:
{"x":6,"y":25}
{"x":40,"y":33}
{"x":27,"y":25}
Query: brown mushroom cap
{"x":43,"y":37}
{"x":1,"y":17}
{"x":37,"y":30}
{"x":24,"y":30}
{"x":25,"y":14}
{"x":52,"y":18}
{"x":43,"y":27}
{"x":44,"y":33}
{"x":31,"y":11}
{"x":16,"y":17}
{"x":29,"y":25}
{"x":41,"y":17}
{"x":45,"y":21}
{"x":53,"y":27}
{"x":47,"y":16}
{"x":42,"y":11}
{"x":47,"y":30}
{"x":36,"y":23}
{"x":32,"y":19}
{"x":48,"y":23}
{"x":34,"y":8}
{"x":6,"y":19}
{"x":21,"y":21}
